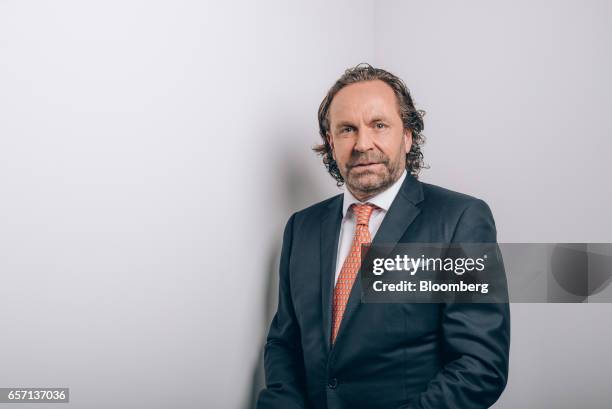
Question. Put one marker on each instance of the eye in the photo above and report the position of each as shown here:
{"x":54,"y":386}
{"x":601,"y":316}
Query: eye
{"x":380,"y":125}
{"x":346,"y":129}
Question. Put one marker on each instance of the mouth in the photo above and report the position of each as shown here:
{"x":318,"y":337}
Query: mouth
{"x":365,"y":165}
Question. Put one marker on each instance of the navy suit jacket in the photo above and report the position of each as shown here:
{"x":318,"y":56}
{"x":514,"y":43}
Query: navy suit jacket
{"x":392,"y":356}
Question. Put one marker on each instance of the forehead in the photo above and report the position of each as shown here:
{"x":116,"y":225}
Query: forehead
{"x":362,"y":100}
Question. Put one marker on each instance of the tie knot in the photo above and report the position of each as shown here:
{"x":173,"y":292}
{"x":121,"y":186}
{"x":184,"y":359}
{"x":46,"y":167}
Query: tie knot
{"x":363,"y":212}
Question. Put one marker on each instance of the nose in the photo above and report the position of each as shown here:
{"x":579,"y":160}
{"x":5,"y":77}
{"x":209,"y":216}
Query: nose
{"x":365,"y":140}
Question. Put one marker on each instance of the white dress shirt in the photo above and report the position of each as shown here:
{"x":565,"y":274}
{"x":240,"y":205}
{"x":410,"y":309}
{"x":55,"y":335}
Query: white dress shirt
{"x":382,"y":200}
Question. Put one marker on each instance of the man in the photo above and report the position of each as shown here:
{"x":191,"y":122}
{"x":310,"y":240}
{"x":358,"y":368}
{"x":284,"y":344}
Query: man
{"x":327,"y":349}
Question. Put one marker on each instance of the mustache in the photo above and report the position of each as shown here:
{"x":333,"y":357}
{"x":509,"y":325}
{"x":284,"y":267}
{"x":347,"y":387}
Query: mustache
{"x":358,"y":158}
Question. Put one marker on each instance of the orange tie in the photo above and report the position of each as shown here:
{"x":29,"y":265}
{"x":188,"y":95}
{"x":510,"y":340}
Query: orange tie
{"x":350,"y":268}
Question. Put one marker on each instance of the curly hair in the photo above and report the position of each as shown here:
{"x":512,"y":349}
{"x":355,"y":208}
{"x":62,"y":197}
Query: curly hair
{"x":411,"y":117}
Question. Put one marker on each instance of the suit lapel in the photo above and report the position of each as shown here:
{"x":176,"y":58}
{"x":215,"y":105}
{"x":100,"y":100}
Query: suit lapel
{"x":330,"y":232}
{"x":402,"y":212}
{"x":400,"y":215}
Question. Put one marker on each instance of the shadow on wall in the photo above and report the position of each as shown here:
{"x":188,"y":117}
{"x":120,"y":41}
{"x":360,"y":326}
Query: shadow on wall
{"x":299,"y":189}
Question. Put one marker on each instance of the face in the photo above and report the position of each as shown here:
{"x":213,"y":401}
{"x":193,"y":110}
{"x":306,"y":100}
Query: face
{"x":368,"y":140}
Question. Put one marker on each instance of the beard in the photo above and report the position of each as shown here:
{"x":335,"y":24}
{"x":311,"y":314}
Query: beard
{"x":367,"y":181}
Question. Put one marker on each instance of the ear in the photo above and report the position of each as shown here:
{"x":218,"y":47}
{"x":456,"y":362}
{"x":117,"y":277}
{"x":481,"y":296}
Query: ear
{"x":330,"y":140}
{"x":408,"y":139}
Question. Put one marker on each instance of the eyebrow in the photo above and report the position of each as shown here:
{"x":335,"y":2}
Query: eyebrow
{"x":379,"y":118}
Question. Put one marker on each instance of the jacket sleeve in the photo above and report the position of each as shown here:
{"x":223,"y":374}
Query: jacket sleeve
{"x":476,"y":336}
{"x":283,"y":358}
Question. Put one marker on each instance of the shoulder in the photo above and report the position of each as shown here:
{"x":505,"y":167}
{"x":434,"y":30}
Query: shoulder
{"x":435,"y":193}
{"x":319,"y":208}
{"x":315,"y":212}
{"x":470,"y":217}
{"x":449,"y":201}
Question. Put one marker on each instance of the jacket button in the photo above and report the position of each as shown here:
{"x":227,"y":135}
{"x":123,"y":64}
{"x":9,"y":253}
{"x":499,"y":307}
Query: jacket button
{"x":333,"y":383}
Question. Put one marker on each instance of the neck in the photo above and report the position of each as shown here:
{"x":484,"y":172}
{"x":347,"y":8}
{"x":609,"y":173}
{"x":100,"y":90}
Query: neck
{"x":363,"y":196}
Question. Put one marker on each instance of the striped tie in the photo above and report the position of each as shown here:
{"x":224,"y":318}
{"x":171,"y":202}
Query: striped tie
{"x":350,"y":268}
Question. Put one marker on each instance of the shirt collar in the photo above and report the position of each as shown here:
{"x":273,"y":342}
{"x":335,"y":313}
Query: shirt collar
{"x":382,"y":200}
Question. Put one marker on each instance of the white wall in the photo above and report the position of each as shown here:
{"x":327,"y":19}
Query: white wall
{"x":518,"y":95}
{"x":151,"y":152}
